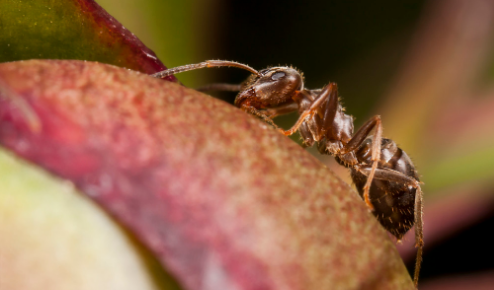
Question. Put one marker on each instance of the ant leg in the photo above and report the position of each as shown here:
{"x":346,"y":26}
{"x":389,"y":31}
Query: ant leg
{"x":253,"y":111}
{"x":396,"y":176}
{"x":357,"y":140}
{"x":389,"y":175}
{"x":220,"y":87}
{"x":267,"y":115}
{"x":281,"y":110}
{"x":419,"y":233}
{"x":329,"y":92}
{"x":299,"y":122}
{"x":205,"y":64}
{"x":331,"y":108}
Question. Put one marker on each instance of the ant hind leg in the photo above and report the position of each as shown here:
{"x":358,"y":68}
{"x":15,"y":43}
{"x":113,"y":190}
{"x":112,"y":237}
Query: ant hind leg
{"x":357,"y":140}
{"x":376,"y":155}
{"x":419,"y":235}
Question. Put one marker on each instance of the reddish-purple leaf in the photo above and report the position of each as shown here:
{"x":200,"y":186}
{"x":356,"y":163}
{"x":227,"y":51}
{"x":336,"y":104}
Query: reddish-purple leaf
{"x":223,"y":200}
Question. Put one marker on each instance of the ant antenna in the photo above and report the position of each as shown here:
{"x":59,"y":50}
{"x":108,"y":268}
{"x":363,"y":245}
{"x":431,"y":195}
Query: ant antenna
{"x":205,"y":64}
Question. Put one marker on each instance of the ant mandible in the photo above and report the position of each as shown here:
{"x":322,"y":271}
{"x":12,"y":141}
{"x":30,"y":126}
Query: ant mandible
{"x":383,"y":174}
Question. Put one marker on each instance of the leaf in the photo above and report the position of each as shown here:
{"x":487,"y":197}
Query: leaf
{"x":221,"y":199}
{"x":70,"y":29}
{"x":53,"y":237}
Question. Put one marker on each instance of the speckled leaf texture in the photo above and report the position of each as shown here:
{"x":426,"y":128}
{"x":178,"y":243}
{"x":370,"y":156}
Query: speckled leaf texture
{"x":222,"y":200}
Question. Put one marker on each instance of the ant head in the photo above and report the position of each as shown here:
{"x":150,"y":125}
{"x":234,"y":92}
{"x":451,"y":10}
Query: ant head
{"x":271,"y":87}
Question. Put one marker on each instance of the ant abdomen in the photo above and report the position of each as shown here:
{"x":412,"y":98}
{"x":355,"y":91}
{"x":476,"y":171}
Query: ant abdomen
{"x":393,"y":200}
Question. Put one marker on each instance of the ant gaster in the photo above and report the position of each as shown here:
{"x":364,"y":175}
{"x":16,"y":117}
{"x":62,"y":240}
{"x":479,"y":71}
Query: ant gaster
{"x":382,"y":172}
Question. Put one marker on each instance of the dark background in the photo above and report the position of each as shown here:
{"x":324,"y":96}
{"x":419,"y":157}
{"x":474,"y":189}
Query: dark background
{"x":327,"y":40}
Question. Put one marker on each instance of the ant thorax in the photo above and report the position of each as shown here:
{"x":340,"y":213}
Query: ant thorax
{"x":333,"y":133}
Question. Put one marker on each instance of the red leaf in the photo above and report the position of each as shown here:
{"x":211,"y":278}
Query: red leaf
{"x":224,"y":201}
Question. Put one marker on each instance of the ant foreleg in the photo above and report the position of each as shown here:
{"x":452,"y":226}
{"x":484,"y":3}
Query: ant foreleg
{"x":357,"y":140}
{"x":300,"y":120}
{"x":260,"y":114}
{"x":269,"y":114}
{"x":205,"y":64}
{"x":281,"y":110}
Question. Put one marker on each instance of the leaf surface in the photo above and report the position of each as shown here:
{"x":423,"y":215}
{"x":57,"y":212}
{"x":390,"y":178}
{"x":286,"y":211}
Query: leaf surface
{"x":222,"y":199}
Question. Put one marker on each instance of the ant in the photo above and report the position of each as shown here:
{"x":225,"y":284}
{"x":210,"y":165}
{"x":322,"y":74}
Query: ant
{"x":383,"y":174}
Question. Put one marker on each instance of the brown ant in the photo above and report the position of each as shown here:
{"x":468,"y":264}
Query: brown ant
{"x":383,"y":174}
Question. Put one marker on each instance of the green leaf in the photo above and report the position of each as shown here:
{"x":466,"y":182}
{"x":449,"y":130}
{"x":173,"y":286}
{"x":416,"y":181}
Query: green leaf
{"x":70,"y":29}
{"x":59,"y":239}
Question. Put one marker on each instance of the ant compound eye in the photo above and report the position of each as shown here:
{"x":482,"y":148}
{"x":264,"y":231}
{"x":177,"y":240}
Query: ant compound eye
{"x":278,"y":75}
